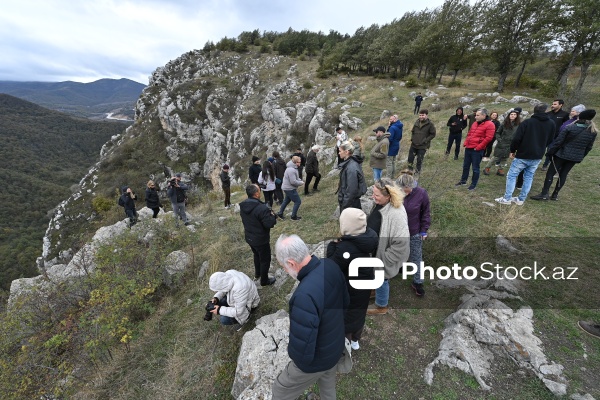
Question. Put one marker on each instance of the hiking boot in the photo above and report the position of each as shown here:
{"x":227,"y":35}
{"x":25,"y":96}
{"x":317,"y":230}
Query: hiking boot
{"x":486,"y":171}
{"x":500,"y":172}
{"x":540,"y":196}
{"x":554,"y":196}
{"x":418,"y":288}
{"x":269,"y":282}
{"x":354,"y":345}
{"x":461,"y":183}
{"x":296,"y":218}
{"x":377,"y":310}
{"x":590,"y":328}
{"x":472,"y":187}
{"x":517,"y":201}
{"x":315,"y":190}
{"x":456,"y":157}
{"x":502,"y":200}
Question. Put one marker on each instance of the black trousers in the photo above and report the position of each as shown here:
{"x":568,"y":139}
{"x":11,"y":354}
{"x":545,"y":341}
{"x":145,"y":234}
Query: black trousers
{"x":420,"y":153}
{"x":278,"y":193}
{"x":262,"y":261}
{"x":269,"y":197}
{"x":563,"y":167}
{"x":454,"y":138}
{"x":309,"y":177}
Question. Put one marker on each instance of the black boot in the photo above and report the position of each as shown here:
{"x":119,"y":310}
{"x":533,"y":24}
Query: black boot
{"x":541,"y":196}
{"x":554,"y":195}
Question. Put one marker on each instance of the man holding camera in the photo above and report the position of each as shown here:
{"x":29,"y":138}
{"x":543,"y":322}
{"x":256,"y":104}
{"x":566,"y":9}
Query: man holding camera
{"x":258,"y":219}
{"x":176,"y":193}
{"x":235,"y":298}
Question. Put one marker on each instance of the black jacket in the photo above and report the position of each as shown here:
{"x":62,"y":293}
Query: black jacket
{"x":254,"y":172}
{"x":559,"y":118}
{"x":258,"y":221}
{"x":302,"y":158}
{"x":352,"y":182}
{"x":225,"y":180}
{"x":459,"y":120}
{"x":127,"y":201}
{"x":312,"y":163}
{"x":532,"y":137}
{"x":152,"y":199}
{"x":363,"y":245}
{"x":317,"y":310}
{"x":573,"y":143}
{"x":279,"y":167}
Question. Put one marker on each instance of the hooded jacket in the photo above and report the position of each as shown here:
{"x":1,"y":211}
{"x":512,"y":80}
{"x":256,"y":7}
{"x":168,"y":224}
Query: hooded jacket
{"x":241,"y":292}
{"x":279,"y":167}
{"x":480,"y":134}
{"x":532,"y":137}
{"x":317,"y":310}
{"x":573,"y":143}
{"x":126,"y":201}
{"x":258,"y":221}
{"x":422,"y":134}
{"x":312,"y":163}
{"x":152,"y":199}
{"x":395,"y":131}
{"x":352,"y":182}
{"x":379,"y":152}
{"x":459,"y":121}
{"x":291,"y":180}
{"x":253,"y":172}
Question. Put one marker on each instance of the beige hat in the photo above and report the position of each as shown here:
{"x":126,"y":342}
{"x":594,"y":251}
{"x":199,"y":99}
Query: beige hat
{"x":353,"y":222}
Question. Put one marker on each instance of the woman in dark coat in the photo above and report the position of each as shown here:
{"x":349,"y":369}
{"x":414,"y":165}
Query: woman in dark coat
{"x":569,"y":148}
{"x":152,"y":199}
{"x":504,"y":136}
{"x":357,"y":240}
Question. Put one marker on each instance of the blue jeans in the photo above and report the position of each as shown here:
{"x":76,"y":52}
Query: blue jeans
{"x":472,"y":157}
{"x":226,"y":320}
{"x":416,"y":255}
{"x":377,"y":174}
{"x":382,"y":294}
{"x":291,"y":195}
{"x":518,"y":165}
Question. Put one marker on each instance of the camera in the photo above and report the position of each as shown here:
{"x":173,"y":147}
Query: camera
{"x":209,"y":307}
{"x":173,"y":182}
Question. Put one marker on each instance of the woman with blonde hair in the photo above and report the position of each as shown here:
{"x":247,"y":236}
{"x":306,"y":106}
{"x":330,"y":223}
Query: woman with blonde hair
{"x":358,"y":147}
{"x":152,"y":199}
{"x":388,"y":219}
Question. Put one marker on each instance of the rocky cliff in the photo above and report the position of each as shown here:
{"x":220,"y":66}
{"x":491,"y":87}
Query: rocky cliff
{"x":198,"y":112}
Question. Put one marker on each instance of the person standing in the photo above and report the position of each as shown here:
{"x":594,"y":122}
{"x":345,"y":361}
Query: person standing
{"x":279,"y":168}
{"x":481,"y":132}
{"x":504,"y":136}
{"x":258,"y":219}
{"x":152,"y":198}
{"x":418,"y":101}
{"x":416,"y":204}
{"x":127,"y":201}
{"x":527,"y":148}
{"x":176,"y":192}
{"x":352,"y":180}
{"x":312,"y":169}
{"x":299,"y":153}
{"x":490,"y":145}
{"x":388,"y":219}
{"x":379,"y":152}
{"x":316,"y":311}
{"x":341,"y":137}
{"x":359,"y":148}
{"x":471,"y":118}
{"x":356,"y":240}
{"x":254,"y":170}
{"x":266,"y":182}
{"x":569,"y":148}
{"x":226,"y":185}
{"x":456,"y":123}
{"x":395,"y":129}
{"x":423,"y":132}
{"x":290,"y":185}
{"x":559,"y":116}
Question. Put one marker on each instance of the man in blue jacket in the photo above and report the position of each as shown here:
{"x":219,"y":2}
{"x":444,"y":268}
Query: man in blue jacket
{"x":395,"y":130}
{"x":317,"y":311}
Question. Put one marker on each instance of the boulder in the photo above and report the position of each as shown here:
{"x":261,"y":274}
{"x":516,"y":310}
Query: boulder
{"x":175,"y":265}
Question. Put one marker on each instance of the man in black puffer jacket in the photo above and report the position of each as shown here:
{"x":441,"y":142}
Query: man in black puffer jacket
{"x":258,"y":219}
{"x":317,"y":310}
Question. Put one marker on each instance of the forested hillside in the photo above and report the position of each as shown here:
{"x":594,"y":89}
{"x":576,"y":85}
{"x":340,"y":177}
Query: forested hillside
{"x":90,"y":100}
{"x":43,"y":153}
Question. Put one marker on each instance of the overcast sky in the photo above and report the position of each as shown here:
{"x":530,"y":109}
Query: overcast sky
{"x":86,"y":40}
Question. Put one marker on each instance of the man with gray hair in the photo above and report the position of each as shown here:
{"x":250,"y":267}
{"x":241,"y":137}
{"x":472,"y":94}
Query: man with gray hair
{"x":527,"y":148}
{"x":312,"y":169}
{"x":481,"y":133}
{"x":316,"y":310}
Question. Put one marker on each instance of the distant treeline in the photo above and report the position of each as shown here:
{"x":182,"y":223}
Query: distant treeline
{"x":502,"y":35}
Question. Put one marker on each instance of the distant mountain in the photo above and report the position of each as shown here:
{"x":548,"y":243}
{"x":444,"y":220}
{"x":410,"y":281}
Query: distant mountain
{"x":89,"y":100}
{"x":43,"y":153}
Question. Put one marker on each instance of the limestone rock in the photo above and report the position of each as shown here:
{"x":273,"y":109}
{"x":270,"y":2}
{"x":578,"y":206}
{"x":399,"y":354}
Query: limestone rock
{"x":175,"y":265}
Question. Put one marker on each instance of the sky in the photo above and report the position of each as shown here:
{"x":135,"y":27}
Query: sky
{"x":86,"y":40}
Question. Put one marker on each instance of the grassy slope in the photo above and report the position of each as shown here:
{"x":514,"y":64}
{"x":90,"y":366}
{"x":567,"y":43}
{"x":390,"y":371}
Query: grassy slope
{"x":179,"y":356}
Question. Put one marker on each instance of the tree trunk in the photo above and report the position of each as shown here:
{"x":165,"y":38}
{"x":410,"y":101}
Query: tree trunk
{"x":501,"y":81}
{"x":442,"y":73}
{"x":562,"y":81}
{"x":455,"y":75}
{"x":584,"y":72}
{"x":518,"y":81}
{"x":420,"y":70}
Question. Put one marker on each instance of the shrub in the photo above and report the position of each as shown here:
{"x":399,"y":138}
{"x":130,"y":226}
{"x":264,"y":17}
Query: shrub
{"x":455,"y":83}
{"x":411,"y":82}
{"x":323,"y":74}
{"x":102,"y":204}
{"x":307,"y":85}
{"x":549,"y":89}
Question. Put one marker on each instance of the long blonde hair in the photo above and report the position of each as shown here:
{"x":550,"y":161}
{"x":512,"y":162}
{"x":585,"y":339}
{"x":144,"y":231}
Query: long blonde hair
{"x":358,"y":139}
{"x":387,"y":187}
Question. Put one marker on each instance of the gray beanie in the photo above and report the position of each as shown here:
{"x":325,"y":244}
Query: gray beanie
{"x":579,"y":108}
{"x":353,"y":222}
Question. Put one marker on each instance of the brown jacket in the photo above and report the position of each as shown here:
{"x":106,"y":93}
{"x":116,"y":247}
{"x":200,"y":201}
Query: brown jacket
{"x":379,"y":152}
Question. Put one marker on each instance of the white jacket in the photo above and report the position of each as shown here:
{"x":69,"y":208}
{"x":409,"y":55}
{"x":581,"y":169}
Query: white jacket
{"x":270,"y":183}
{"x":241,"y":293}
{"x":394,"y":239}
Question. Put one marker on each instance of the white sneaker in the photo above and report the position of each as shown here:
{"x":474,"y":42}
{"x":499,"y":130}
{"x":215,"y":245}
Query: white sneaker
{"x":517,"y":201}
{"x":354,"y":345}
{"x":502,"y":200}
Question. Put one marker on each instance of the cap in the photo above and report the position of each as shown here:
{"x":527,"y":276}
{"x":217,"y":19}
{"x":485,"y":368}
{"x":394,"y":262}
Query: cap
{"x":379,"y":128}
{"x":178,"y":175}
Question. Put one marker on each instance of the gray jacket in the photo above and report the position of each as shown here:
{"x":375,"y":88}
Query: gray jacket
{"x":291,"y":180}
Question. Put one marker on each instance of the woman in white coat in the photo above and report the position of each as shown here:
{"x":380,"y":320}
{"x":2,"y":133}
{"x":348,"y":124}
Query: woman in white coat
{"x":235,"y":298}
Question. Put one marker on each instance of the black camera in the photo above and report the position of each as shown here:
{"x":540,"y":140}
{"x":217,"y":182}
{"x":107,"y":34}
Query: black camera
{"x":209,"y":307}
{"x":173,"y":182}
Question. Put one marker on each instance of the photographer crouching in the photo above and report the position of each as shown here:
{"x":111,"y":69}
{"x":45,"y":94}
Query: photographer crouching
{"x":235,"y":299}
